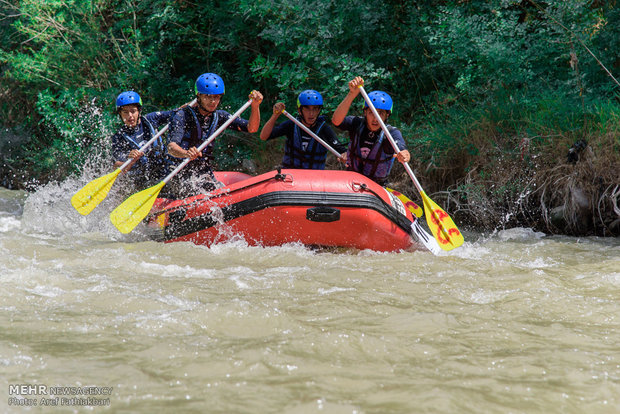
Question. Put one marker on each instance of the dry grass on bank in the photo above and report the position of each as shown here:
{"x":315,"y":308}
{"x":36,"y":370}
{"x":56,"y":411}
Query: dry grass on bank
{"x":511,"y":181}
{"x":543,"y":191}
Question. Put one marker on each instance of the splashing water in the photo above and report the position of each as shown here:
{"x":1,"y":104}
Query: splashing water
{"x":515,"y":321}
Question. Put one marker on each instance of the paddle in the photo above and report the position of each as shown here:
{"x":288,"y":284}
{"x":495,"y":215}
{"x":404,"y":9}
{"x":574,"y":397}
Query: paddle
{"x":133,"y":210}
{"x":312,"y":134}
{"x":411,"y":206}
{"x":93,"y":193}
{"x":443,"y":228}
{"x":422,"y":235}
{"x":406,"y":201}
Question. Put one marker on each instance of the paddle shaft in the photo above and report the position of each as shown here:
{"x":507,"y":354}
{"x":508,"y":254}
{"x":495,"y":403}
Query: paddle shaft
{"x":312,"y":134}
{"x":449,"y":237}
{"x":389,"y":137}
{"x":423,"y":237}
{"x":150,"y":141}
{"x":209,"y":140}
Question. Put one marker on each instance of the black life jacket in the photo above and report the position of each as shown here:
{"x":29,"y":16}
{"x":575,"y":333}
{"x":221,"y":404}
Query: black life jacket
{"x":312,"y":157}
{"x":377,"y":164}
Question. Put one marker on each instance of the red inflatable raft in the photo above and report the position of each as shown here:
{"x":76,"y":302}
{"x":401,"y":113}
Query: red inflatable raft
{"x":313,"y":207}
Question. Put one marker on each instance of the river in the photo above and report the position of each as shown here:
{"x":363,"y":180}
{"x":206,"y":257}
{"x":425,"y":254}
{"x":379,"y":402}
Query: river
{"x":511,"y":322}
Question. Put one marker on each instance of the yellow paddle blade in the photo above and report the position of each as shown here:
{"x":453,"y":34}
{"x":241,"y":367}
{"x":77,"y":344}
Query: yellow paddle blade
{"x":441,"y":225}
{"x":415,"y":209}
{"x":93,"y":193}
{"x":133,"y":210}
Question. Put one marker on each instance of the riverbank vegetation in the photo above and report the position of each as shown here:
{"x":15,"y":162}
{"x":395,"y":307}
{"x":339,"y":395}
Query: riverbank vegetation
{"x":510,"y":107}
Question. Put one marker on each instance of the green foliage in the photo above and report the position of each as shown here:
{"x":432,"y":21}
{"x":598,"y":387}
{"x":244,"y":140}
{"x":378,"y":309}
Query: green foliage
{"x":70,"y":127}
{"x":323,"y":53}
{"x":457,"y":70}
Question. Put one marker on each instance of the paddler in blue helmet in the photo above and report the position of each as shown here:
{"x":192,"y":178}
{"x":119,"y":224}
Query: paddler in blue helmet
{"x":370,"y":152}
{"x":148,"y":166}
{"x":190,"y":128}
{"x":301,"y":150}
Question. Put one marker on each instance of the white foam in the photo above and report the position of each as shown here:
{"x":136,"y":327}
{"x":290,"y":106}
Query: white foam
{"x":482,"y":297}
{"x":49,"y":211}
{"x":519,"y":233}
{"x":9,"y":223}
{"x":178,"y":303}
{"x":613,"y":278}
{"x":468,"y":250}
{"x":323,"y":291}
{"x":240,"y":284}
{"x":46,"y":291}
{"x":173,"y":270}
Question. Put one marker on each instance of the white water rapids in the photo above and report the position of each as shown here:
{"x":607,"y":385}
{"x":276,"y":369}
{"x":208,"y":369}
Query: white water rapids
{"x":512,"y":322}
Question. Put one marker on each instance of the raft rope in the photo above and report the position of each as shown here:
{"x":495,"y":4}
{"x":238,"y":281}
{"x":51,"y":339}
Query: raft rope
{"x":278,"y":177}
{"x":365,"y":187}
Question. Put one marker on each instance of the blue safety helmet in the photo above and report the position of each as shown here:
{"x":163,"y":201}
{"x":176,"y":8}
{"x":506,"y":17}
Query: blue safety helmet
{"x":209,"y":84}
{"x":128,"y":98}
{"x":309,"y":97}
{"x":380,"y":100}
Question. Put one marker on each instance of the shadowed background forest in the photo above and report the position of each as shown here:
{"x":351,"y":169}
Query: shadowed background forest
{"x":510,"y":108}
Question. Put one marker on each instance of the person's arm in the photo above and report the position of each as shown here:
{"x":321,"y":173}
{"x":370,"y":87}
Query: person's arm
{"x":134,"y":155}
{"x":177,"y":151}
{"x":268,"y":127}
{"x":402,"y":155}
{"x":343,"y":109}
{"x":254,"y":121}
{"x":160,"y":118}
{"x":177,"y":130}
{"x":119,"y":150}
{"x":330,"y":137}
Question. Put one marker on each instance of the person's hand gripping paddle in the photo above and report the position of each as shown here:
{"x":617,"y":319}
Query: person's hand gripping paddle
{"x":439,"y":222}
{"x":133,"y":210}
{"x":93,"y":193}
